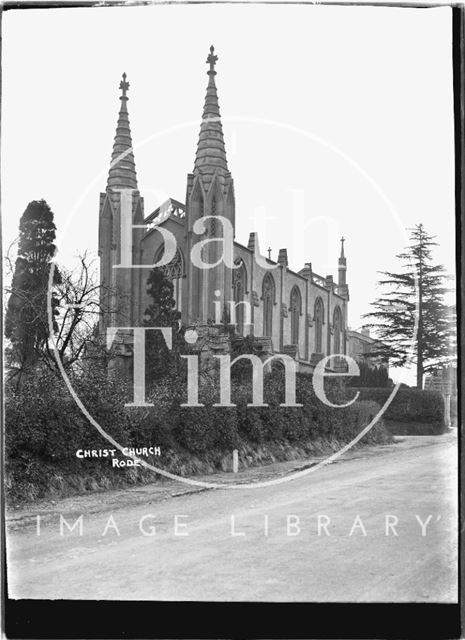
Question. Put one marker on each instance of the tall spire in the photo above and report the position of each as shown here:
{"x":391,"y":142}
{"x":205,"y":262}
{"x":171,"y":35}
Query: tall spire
{"x":210,"y":192}
{"x":211,"y":152}
{"x":122,"y":174}
{"x":342,"y":257}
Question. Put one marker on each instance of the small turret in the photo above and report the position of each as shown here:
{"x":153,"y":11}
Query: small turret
{"x":342,"y":273}
{"x":342,"y":265}
{"x":253,"y":241}
{"x":282,"y":257}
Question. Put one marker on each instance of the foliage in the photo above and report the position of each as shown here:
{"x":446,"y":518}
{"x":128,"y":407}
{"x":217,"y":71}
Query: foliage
{"x":161,"y":312}
{"x":45,"y":427}
{"x":197,"y":428}
{"x":409,"y":406}
{"x":26,"y":321}
{"x":371,"y":376}
{"x":43,"y":419}
{"x":247,"y":345}
{"x":414,"y":301}
{"x":76,"y":298}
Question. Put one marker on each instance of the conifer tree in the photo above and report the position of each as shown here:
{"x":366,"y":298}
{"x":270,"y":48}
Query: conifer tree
{"x":161,"y":312}
{"x":411,"y":319}
{"x":26,"y":321}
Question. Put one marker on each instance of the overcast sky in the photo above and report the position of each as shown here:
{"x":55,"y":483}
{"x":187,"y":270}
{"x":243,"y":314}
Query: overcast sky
{"x":337,"y":121}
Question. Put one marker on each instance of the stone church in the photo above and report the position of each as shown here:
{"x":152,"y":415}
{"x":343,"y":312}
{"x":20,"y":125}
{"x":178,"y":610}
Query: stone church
{"x":301,"y":313}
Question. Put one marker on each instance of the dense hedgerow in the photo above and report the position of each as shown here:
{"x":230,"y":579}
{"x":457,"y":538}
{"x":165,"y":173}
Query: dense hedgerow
{"x":43,"y":419}
{"x":45,"y":427}
{"x":201,"y":428}
{"x":412,"y":411}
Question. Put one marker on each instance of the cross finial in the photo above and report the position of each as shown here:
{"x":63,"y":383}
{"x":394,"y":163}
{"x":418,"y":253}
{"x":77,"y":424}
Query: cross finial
{"x":269,"y":253}
{"x":124,"y":86}
{"x":211,"y":60}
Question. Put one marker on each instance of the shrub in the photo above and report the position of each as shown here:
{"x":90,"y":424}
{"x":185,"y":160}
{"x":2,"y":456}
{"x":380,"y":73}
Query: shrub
{"x":43,"y":418}
{"x":412,"y":411}
{"x":408,"y":405}
{"x":251,"y":425}
{"x":314,"y":419}
{"x":45,"y":427}
{"x":225,"y":425}
{"x":364,"y":413}
{"x":371,"y":376}
{"x":193,"y":428}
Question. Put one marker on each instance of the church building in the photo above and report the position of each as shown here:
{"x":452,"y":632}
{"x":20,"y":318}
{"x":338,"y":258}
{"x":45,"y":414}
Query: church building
{"x":301,"y":313}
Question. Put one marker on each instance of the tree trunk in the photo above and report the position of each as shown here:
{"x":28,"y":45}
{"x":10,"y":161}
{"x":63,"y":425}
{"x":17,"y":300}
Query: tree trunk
{"x":420,"y":345}
{"x":419,"y":373}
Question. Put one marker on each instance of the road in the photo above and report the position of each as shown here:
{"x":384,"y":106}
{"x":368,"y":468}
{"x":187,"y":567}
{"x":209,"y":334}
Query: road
{"x":262,"y":544}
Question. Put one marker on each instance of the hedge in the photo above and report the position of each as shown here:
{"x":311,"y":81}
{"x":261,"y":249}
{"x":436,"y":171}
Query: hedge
{"x":411,"y":412}
{"x":45,"y":427}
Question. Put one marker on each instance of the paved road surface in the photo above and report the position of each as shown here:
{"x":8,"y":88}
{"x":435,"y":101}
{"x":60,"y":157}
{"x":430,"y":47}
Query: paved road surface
{"x":274,"y":552}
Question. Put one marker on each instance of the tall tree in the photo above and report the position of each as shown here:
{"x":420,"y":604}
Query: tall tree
{"x":161,"y":313}
{"x":412,"y":319}
{"x":26,"y":321}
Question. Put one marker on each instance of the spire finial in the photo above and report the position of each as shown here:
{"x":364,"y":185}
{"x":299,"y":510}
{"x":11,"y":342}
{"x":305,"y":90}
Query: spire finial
{"x":211,"y":60}
{"x":122,"y":174}
{"x":124,"y":86}
{"x":342,"y":246}
{"x":211,"y":153}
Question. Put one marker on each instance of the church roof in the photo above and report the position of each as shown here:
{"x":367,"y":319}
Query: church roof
{"x":122,"y":174}
{"x":211,"y":153}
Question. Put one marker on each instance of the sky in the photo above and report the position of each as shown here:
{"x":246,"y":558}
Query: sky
{"x":337,"y":121}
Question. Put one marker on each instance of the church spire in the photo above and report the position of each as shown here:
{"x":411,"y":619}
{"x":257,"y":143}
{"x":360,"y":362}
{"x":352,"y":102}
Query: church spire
{"x":122,"y":174}
{"x":211,"y":153}
{"x":209,"y":193}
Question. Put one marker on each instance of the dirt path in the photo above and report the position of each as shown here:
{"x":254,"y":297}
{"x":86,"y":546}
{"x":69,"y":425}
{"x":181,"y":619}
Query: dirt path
{"x":319,"y":538}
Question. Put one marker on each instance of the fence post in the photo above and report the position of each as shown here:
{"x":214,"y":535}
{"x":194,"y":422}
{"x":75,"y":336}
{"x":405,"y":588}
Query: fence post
{"x":447,"y":420}
{"x":235,"y":461}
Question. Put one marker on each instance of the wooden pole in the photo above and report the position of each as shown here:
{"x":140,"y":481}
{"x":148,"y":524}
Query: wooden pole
{"x":235,"y":461}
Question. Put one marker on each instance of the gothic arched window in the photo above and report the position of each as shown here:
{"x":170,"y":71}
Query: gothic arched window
{"x":319,"y":315}
{"x":268,"y":297}
{"x":337,"y":327}
{"x":174,"y":269}
{"x":295,"y":307}
{"x":239,"y":283}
